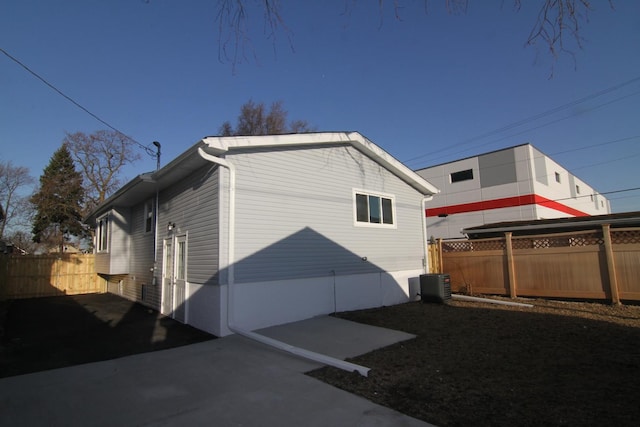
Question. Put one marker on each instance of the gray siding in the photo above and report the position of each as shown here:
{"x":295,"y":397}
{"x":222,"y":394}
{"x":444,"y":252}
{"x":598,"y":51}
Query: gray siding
{"x":141,"y":261}
{"x":295,"y":215}
{"x":192,"y":204}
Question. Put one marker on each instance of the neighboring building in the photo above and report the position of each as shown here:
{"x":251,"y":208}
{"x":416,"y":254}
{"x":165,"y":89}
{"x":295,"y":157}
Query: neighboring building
{"x":262,"y":230}
{"x":517,"y":183}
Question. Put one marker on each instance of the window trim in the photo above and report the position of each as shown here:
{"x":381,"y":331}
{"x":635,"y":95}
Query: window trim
{"x":102,"y":234}
{"x":391,"y":197}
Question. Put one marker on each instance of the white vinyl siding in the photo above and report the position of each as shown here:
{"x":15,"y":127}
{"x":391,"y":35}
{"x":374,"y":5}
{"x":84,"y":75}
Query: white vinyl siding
{"x":192,"y":204}
{"x":295,"y":215}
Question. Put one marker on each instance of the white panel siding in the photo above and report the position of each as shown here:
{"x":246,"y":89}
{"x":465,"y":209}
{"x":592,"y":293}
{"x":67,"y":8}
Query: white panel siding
{"x":295,"y":216}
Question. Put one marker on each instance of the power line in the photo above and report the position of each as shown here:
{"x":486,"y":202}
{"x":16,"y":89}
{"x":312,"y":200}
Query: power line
{"x":537,"y":117}
{"x":68,"y":98}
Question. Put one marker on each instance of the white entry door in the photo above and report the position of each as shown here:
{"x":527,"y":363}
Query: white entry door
{"x":174,"y":278}
{"x":180,"y":280}
{"x":167,"y":277}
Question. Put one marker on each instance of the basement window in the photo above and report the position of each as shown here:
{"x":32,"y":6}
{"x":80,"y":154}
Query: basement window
{"x":374,"y":209}
{"x":464,"y":175}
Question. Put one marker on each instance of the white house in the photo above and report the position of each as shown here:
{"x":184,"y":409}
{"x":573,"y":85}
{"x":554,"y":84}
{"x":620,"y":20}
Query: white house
{"x":254,"y":231}
{"x":516,"y":183}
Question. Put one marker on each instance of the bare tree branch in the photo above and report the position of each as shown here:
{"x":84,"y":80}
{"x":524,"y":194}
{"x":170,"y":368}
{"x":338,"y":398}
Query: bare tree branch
{"x":558,"y":25}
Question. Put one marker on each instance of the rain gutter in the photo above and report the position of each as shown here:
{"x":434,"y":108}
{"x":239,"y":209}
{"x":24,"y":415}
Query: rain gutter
{"x":307,"y":354}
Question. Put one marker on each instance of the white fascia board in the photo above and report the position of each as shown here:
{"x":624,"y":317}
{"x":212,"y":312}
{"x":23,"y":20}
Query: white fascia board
{"x":220,"y":145}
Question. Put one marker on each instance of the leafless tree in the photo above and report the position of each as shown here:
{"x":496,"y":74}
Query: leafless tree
{"x":255,"y":120}
{"x":559,"y":23}
{"x":100,"y":157}
{"x":15,"y":207}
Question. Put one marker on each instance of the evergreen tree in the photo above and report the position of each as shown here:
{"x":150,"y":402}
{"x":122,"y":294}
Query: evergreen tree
{"x":58,"y":201}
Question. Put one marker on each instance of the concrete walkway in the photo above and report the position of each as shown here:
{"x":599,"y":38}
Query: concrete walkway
{"x":230,"y":381}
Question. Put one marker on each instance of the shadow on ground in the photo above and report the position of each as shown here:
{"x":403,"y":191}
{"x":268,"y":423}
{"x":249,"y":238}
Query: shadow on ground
{"x":47,"y":333}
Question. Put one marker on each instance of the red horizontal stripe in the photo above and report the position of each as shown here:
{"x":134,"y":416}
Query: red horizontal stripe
{"x":507,"y":202}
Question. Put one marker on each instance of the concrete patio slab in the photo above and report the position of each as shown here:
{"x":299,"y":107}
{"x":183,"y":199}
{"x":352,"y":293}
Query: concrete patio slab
{"x":225,"y":382}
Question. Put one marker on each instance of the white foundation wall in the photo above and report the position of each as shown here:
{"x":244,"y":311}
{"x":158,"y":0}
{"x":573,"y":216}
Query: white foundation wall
{"x":207,"y":308}
{"x":261,"y":304}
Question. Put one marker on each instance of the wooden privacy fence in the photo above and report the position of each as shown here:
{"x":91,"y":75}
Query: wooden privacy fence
{"x":30,"y":276}
{"x":596,"y":264}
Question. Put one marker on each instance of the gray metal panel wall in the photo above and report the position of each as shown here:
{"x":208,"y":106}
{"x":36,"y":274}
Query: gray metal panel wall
{"x":497,"y":168}
{"x":295,"y":215}
{"x":540,"y":165}
{"x":192,"y":204}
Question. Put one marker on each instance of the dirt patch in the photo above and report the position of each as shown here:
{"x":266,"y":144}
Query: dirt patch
{"x":47,"y":333}
{"x":557,"y":364}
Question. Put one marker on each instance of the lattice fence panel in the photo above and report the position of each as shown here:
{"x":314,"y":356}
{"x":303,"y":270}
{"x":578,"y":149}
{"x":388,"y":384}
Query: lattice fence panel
{"x":461,"y":246}
{"x":625,"y":237}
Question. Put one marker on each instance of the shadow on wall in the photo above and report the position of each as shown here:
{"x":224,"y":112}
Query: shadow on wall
{"x":301,"y":276}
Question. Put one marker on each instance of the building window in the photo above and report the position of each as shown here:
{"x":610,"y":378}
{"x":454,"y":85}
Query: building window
{"x":374,"y":209}
{"x":148,"y":216}
{"x":577,"y":189}
{"x":102,"y":234}
{"x":557,"y":177}
{"x":464,"y":175}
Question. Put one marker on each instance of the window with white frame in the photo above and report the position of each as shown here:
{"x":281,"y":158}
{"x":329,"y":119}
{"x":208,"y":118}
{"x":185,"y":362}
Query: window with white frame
{"x":102,"y":234}
{"x":374,"y":209}
{"x":148,"y":216}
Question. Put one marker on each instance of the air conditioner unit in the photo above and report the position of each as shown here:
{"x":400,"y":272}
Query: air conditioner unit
{"x":435,"y":288}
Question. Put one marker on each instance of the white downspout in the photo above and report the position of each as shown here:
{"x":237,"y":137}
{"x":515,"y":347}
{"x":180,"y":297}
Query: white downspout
{"x":317,"y":357}
{"x":423,"y":211}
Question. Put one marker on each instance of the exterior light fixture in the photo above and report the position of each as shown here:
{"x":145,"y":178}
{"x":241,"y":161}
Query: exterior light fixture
{"x":171,"y":226}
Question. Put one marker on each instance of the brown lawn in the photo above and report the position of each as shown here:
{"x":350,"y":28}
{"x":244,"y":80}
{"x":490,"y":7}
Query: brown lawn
{"x":477,"y":364}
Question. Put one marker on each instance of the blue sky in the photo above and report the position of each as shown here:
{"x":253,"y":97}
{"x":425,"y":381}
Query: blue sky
{"x":430,"y":88}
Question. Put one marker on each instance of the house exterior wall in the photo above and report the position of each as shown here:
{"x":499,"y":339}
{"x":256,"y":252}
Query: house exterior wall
{"x":518,"y":183}
{"x":116,"y":259}
{"x":141,"y":262}
{"x":299,"y":251}
{"x":284,"y":243}
{"x":192,"y":204}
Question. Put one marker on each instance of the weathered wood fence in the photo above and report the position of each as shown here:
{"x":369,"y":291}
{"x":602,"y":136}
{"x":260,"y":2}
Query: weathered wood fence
{"x":596,"y":264}
{"x":30,"y":276}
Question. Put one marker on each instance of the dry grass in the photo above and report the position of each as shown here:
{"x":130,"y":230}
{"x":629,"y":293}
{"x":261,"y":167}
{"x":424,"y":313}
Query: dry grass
{"x":557,"y":364}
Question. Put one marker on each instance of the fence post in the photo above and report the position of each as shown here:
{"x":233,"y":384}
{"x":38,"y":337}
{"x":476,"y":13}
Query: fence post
{"x":440,"y":257}
{"x":611,"y":265}
{"x":511,"y":266}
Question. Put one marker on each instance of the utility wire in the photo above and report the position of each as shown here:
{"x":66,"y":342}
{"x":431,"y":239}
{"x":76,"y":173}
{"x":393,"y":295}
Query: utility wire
{"x":534,"y":117}
{"x":68,"y":98}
